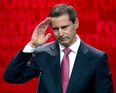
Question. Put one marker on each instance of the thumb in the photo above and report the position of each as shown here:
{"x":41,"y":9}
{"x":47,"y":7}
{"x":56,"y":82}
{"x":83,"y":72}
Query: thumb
{"x":48,"y":36}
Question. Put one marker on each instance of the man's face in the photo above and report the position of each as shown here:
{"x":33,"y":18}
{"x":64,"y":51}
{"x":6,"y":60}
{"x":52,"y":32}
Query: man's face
{"x":64,"y":30}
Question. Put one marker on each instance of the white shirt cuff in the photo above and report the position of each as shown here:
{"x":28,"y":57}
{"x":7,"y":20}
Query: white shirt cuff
{"x":28,"y":49}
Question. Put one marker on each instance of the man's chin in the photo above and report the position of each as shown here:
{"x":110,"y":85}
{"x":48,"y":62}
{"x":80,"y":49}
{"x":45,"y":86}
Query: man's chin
{"x":64,"y":43}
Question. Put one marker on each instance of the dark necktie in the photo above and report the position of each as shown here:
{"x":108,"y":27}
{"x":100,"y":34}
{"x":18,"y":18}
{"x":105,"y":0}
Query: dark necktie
{"x":65,"y":68}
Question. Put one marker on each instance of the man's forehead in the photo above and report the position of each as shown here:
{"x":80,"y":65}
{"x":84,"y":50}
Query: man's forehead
{"x":61,"y":24}
{"x":61,"y":16}
{"x":60,"y":20}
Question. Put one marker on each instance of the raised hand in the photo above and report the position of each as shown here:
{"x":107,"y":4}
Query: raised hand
{"x":38,"y":37}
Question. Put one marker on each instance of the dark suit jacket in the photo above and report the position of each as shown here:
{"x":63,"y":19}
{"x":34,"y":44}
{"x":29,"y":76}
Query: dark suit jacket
{"x":90,"y":73}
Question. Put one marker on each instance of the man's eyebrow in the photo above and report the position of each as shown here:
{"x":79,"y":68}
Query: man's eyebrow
{"x":65,"y":26}
{"x":55,"y":27}
{"x":60,"y":27}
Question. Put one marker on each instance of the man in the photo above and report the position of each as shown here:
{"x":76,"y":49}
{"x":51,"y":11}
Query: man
{"x":86,"y":70}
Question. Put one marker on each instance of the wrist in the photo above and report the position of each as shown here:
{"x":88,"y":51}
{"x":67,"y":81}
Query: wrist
{"x":32,"y":45}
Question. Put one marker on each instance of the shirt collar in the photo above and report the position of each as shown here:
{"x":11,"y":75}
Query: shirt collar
{"x":73,"y":47}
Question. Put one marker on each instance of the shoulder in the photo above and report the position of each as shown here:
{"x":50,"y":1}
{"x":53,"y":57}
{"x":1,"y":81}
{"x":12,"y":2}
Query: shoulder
{"x":47,"y":47}
{"x":46,"y":50}
{"x":95,"y":56}
{"x":91,"y":50}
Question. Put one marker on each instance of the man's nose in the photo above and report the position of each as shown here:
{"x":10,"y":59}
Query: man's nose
{"x":60,"y":32}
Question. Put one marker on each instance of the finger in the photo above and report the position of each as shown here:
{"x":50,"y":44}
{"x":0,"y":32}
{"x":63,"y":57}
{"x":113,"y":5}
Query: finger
{"x":48,"y":36}
{"x":44,"y":24}
{"x":47,"y":20}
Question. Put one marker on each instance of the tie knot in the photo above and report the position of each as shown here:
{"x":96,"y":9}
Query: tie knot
{"x":67,"y":51}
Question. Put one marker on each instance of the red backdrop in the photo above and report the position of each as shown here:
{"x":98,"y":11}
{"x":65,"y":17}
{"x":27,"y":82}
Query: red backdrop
{"x":18,"y":18}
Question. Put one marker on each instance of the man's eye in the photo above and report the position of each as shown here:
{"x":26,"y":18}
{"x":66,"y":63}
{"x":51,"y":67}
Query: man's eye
{"x":55,"y":28}
{"x":64,"y":27}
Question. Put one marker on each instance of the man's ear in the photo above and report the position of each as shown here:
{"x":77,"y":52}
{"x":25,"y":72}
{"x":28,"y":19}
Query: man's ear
{"x":76,"y":24}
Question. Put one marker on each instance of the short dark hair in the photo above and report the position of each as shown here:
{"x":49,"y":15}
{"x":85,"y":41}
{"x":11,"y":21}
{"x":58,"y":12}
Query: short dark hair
{"x":61,"y":9}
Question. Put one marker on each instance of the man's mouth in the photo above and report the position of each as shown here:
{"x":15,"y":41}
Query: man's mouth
{"x":62,"y":39}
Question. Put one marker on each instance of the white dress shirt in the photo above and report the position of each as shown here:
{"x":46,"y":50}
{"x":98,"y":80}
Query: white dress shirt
{"x":72,"y":55}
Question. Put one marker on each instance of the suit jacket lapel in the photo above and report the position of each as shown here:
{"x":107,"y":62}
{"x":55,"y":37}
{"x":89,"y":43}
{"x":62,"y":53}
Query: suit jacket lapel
{"x":55,"y":66}
{"x":79,"y":66}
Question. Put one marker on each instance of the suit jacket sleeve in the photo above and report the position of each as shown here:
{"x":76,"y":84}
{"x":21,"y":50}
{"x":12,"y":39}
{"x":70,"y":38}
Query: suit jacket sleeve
{"x":103,"y":79}
{"x":20,"y":69}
